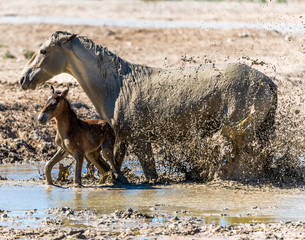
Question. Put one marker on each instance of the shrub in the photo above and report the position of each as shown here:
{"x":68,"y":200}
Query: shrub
{"x":28,"y":54}
{"x":8,"y":55}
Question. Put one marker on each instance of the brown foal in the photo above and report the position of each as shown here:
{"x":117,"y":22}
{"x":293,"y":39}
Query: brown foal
{"x":80,"y":138}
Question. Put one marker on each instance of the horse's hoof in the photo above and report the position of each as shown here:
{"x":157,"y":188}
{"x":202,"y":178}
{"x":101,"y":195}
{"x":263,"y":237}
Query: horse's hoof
{"x":49,"y":183}
{"x":119,"y":178}
{"x":78,"y":185}
{"x":151,"y":181}
{"x":122,"y":178}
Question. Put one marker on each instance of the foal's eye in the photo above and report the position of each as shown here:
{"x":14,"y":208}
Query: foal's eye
{"x":51,"y":107}
{"x":42,"y":51}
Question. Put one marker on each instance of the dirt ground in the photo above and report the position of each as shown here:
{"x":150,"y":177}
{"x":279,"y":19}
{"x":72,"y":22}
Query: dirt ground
{"x":280,"y":56}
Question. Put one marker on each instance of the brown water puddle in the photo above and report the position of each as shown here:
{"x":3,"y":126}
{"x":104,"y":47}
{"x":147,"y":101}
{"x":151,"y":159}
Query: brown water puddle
{"x":26,"y":201}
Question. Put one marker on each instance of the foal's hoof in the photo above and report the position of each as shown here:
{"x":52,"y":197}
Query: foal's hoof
{"x":103,"y":179}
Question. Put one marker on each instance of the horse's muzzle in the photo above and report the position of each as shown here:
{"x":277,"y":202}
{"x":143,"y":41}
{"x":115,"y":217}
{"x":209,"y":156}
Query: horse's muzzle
{"x":24,"y":82}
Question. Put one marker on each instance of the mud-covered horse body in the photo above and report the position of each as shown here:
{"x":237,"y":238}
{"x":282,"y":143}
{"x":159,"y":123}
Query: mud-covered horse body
{"x":144,"y":104}
{"x":170,"y":100}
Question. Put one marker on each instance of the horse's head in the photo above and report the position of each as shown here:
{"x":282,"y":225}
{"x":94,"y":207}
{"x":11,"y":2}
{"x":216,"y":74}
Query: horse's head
{"x":53,"y":107}
{"x":48,"y":61}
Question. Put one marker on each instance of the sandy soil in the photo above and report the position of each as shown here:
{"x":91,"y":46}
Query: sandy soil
{"x":281,"y":56}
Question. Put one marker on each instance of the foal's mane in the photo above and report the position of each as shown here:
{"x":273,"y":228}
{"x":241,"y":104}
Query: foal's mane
{"x":70,"y":109}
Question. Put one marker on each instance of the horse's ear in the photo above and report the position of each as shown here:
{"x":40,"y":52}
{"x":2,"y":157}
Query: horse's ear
{"x":65,"y":93}
{"x":70,"y":38}
{"x":52,"y":89}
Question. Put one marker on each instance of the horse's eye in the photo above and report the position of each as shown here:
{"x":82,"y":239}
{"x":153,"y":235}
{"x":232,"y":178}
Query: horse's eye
{"x":42,"y":51}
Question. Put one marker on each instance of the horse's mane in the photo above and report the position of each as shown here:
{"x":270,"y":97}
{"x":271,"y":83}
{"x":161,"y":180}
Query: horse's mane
{"x":59,"y":36}
{"x":113,"y":66}
{"x":102,"y":54}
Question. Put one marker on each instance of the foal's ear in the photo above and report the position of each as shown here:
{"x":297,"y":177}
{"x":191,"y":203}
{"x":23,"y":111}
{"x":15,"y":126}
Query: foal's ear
{"x":65,"y":93}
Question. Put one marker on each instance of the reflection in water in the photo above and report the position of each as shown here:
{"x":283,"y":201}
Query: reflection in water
{"x":214,"y":205}
{"x":19,"y":172}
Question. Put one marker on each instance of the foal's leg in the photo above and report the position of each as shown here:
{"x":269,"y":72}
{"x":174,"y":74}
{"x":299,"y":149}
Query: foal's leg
{"x":79,"y":158}
{"x":59,"y":155}
{"x":90,"y":169}
{"x":102,"y":166}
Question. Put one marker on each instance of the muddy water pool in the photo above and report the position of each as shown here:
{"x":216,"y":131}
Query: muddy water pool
{"x":24,"y":200}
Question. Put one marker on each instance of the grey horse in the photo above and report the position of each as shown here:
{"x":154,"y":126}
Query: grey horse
{"x":145,"y":104}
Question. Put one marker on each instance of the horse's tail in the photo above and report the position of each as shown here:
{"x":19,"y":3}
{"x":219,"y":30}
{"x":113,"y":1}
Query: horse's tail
{"x":266,"y":129}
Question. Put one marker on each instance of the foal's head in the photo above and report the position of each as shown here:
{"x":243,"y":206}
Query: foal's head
{"x":54,"y":106}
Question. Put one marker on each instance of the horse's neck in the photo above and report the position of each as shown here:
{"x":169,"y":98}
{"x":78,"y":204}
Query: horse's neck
{"x":99,"y":73}
{"x":64,"y":120}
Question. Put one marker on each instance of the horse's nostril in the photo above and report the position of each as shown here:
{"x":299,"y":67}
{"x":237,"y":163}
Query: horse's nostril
{"x":21,"y":80}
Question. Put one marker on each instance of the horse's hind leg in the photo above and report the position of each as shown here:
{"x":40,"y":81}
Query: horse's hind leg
{"x":59,"y":155}
{"x":107,"y":152}
{"x":143,"y":151}
{"x":119,"y":152}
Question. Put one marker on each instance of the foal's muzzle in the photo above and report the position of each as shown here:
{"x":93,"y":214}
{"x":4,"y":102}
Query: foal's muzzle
{"x":42,"y":118}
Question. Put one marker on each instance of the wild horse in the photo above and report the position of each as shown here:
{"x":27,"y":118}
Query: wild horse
{"x":145,"y":105}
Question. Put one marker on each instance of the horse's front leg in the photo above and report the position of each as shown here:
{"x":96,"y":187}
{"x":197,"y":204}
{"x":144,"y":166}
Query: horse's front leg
{"x":119,"y":152}
{"x":143,"y":150}
{"x":59,"y":155}
{"x":107,"y":152}
{"x":79,"y":158}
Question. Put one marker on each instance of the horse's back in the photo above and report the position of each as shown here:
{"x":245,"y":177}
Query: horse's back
{"x":206,"y":90}
{"x":169,"y":101}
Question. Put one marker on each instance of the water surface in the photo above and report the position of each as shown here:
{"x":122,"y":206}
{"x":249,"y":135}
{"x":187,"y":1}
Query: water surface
{"x":223,"y":206}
